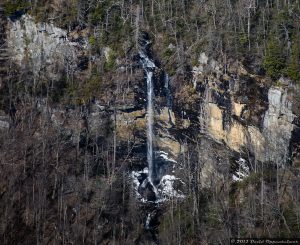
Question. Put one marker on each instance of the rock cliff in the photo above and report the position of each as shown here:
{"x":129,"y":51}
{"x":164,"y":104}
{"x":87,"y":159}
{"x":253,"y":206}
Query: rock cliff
{"x":79,"y":124}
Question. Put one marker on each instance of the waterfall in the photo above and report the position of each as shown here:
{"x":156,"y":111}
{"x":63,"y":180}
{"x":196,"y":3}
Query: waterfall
{"x":154,"y":184}
{"x":150,"y":125}
{"x":149,"y":67}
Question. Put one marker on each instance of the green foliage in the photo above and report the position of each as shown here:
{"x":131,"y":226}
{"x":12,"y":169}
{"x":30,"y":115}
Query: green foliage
{"x":80,"y":94}
{"x":180,"y":220}
{"x":92,"y":40}
{"x":283,"y":16}
{"x":243,"y":40}
{"x":278,"y":83}
{"x":156,"y":21}
{"x":253,"y":179}
{"x":274,"y":61}
{"x":12,"y":6}
{"x":212,"y":217}
{"x":92,"y":86}
{"x":98,"y":14}
{"x":293,"y":67}
{"x":168,"y":46}
{"x":115,"y":28}
{"x":169,"y":52}
{"x":110,"y":63}
{"x":95,"y":44}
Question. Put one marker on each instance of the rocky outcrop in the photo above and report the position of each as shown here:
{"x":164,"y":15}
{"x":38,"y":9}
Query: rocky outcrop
{"x":165,"y":140}
{"x":278,"y":125}
{"x":130,"y":123}
{"x":43,"y":46}
{"x":234,"y":117}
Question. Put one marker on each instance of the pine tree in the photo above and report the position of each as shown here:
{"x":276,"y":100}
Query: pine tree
{"x":293,"y":67}
{"x":274,"y":61}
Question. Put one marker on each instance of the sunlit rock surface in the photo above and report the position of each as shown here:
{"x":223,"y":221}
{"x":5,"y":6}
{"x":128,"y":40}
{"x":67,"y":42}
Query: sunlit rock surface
{"x":229,"y":114}
{"x":278,"y":125}
{"x":42,"y":46}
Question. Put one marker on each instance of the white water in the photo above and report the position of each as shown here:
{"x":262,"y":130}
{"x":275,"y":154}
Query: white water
{"x":150,"y":125}
{"x":149,"y":66}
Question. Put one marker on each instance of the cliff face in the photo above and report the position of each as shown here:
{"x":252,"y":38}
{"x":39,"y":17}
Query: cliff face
{"x":245,"y":111}
{"x":221,"y":126}
{"x":242,"y":109}
{"x":44,"y":47}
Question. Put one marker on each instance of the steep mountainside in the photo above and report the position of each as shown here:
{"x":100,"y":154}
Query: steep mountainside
{"x":149,"y":122}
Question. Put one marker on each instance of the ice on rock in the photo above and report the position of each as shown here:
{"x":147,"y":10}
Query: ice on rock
{"x":166,"y":187}
{"x":242,"y":172}
{"x":165,"y":156}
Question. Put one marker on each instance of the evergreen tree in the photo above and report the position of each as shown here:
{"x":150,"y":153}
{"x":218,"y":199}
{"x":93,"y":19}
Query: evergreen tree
{"x":274,"y":61}
{"x":293,"y":67}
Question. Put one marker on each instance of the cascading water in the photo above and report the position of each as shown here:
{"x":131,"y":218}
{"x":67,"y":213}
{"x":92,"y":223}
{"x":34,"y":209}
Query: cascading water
{"x":149,"y":67}
{"x":150,"y":125}
{"x":154,"y":185}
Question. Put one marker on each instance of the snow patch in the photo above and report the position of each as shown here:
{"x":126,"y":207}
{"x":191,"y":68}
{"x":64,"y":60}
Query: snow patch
{"x":166,"y":187}
{"x":136,"y":175}
{"x":242,"y":172}
{"x":164,"y":190}
{"x":165,"y":156}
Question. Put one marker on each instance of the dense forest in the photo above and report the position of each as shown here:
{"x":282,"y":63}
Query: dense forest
{"x":149,"y":121}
